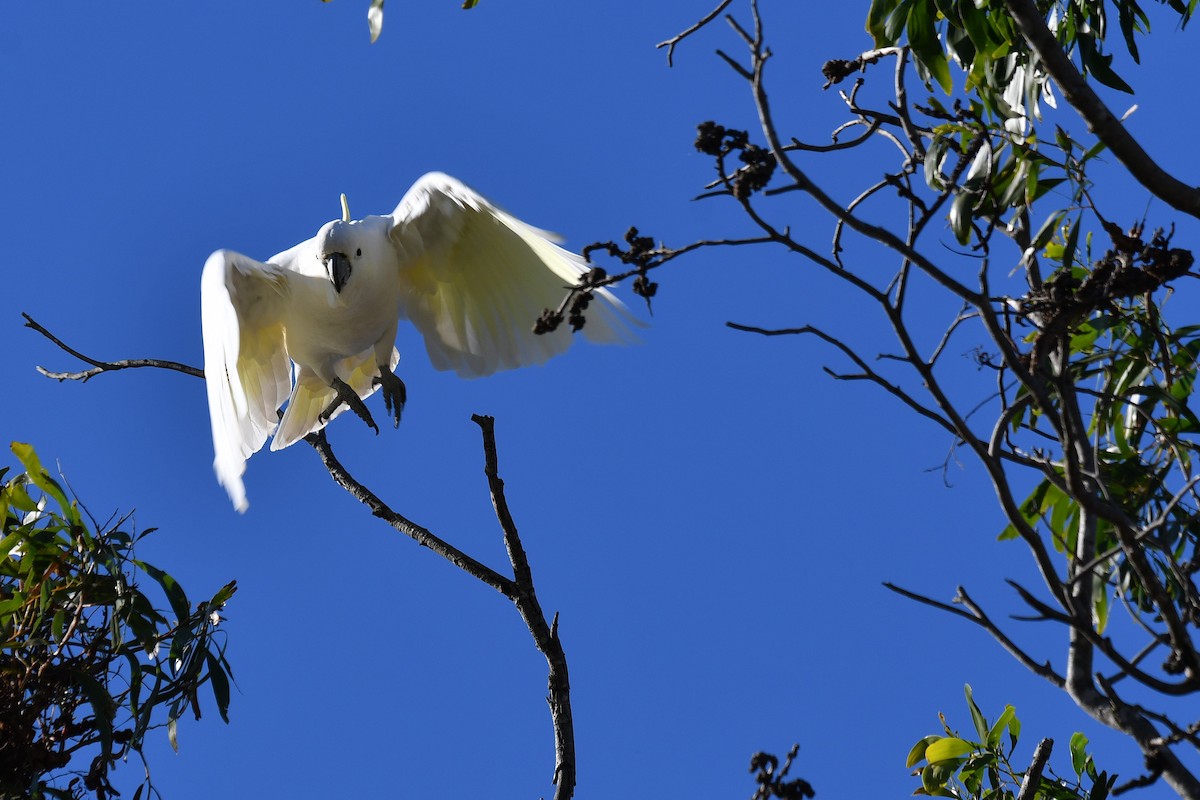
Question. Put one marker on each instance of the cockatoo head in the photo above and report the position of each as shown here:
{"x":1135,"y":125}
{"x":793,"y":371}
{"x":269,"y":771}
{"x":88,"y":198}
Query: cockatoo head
{"x":338,"y":244}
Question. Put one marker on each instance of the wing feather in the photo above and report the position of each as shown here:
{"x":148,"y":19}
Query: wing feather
{"x":476,"y":279}
{"x":246,"y":367}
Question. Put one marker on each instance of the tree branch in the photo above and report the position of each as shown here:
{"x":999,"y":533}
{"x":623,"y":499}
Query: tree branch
{"x":545,"y":636}
{"x":520,"y":589}
{"x":418,"y":534}
{"x":1100,"y":120}
{"x":1033,"y":776}
{"x":103,"y":366}
{"x":977,"y":615}
{"x":679,"y":37}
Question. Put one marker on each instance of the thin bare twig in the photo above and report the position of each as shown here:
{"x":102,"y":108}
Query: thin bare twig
{"x":103,"y":366}
{"x":679,"y":37}
{"x":976,"y":614}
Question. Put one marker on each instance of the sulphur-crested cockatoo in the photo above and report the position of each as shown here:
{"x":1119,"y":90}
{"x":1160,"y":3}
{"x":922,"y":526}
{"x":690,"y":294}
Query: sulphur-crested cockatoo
{"x":471,"y":279}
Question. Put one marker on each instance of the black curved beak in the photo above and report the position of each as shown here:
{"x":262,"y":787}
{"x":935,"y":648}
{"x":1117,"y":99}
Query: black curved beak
{"x":338,"y":267}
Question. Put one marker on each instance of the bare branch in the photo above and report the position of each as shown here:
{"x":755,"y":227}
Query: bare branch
{"x":679,"y":37}
{"x":1033,"y":776}
{"x":544,"y":636}
{"x":866,"y":374}
{"x":103,"y":366}
{"x":418,"y":534}
{"x":976,"y":614}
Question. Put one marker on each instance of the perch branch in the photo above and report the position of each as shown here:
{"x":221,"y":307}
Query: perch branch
{"x":520,"y":589}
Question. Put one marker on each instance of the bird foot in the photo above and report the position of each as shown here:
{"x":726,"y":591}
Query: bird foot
{"x":394,"y":393}
{"x":350,"y":398}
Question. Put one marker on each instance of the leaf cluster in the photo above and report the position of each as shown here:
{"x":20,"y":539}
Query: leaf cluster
{"x":88,"y":665}
{"x":1002,"y":70}
{"x":950,"y":765}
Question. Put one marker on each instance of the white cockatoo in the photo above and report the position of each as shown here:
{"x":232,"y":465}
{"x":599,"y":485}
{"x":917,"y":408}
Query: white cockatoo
{"x":471,"y":279}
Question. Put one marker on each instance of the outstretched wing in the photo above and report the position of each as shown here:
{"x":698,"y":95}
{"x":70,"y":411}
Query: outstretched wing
{"x":476,"y":279}
{"x":246,"y":366}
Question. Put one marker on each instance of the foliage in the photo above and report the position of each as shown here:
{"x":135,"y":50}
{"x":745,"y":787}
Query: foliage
{"x":1078,"y":410}
{"x":88,"y":666}
{"x":1001,"y":68}
{"x":952,"y":766}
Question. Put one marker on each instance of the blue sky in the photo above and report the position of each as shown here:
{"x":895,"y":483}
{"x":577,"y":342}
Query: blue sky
{"x":709,"y":513}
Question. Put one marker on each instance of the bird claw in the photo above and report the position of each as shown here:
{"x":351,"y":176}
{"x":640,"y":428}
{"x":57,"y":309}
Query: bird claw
{"x":350,"y":398}
{"x":395,"y":395}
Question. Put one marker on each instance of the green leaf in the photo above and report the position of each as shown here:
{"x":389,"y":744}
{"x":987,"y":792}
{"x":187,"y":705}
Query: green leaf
{"x":917,"y":754}
{"x":1101,"y":786}
{"x":1127,"y":10}
{"x":42,"y":480}
{"x":1079,"y":755}
{"x":895,"y":24}
{"x":8,"y":543}
{"x":934,"y":777}
{"x":1100,"y":605}
{"x":933,"y":161}
{"x":974,"y":20}
{"x":223,"y":594}
{"x":1002,"y":722}
{"x":220,"y":685}
{"x":923,"y":36}
{"x":877,"y":18}
{"x":1014,"y":732}
{"x":947,"y":749}
{"x":101,"y":702}
{"x":1046,"y":232}
{"x":1068,"y":256}
{"x":1098,"y":65}
{"x":981,"y":726}
{"x":960,"y":216}
{"x":1092,"y":152}
{"x":174,"y":592}
{"x":1043,"y":185}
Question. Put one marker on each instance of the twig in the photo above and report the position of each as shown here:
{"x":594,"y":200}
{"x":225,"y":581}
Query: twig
{"x":679,"y":37}
{"x":976,"y":614}
{"x":866,"y":373}
{"x":544,"y":636}
{"x":103,"y":366}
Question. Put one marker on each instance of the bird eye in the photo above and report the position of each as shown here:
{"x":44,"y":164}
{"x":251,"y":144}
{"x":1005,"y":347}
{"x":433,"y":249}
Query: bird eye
{"x":359,"y":253}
